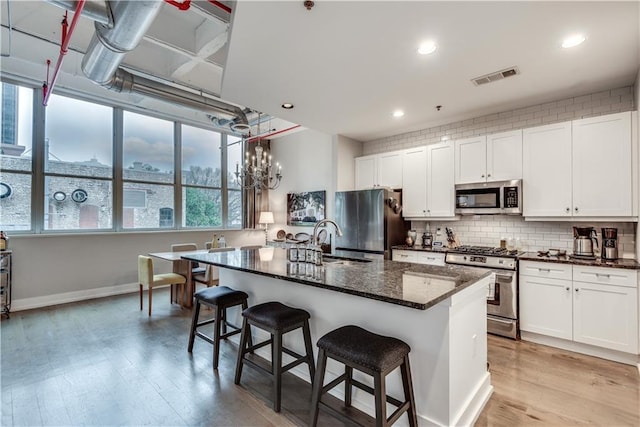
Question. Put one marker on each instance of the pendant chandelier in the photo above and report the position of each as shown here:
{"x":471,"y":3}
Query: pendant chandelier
{"x":258,"y":171}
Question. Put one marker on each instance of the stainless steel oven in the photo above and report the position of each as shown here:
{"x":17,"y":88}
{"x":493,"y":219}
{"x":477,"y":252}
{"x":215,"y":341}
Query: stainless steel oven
{"x":500,"y":197}
{"x":502,"y":292}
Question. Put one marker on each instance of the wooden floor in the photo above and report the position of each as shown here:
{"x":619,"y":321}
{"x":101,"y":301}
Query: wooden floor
{"x":104,"y":362}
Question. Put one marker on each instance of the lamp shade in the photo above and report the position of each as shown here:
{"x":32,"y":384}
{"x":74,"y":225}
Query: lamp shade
{"x":266,"y":218}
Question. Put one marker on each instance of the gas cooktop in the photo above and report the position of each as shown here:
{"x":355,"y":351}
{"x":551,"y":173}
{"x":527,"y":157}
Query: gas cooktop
{"x":485,"y":250}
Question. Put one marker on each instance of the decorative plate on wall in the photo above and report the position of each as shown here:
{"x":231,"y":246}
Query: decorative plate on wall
{"x":5,"y":190}
{"x":79,"y":196}
{"x":281,"y":234}
{"x":59,"y":196}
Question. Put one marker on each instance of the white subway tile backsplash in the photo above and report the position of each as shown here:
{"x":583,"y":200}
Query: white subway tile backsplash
{"x":486,"y":230}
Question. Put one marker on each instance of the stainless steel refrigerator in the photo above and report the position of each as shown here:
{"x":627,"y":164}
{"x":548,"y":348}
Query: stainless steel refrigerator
{"x":371,"y":222}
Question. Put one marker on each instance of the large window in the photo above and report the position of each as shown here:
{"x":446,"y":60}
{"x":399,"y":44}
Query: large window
{"x":202,"y":178}
{"x":16,"y":157}
{"x":78,"y":158}
{"x":67,"y":163}
{"x":148,"y":165}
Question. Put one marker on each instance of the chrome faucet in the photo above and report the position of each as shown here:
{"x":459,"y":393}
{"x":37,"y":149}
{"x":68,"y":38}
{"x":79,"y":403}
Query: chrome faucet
{"x":314,"y":240}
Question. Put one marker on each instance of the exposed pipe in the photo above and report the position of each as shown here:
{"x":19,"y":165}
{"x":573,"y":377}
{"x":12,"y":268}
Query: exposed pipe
{"x":184,"y":5}
{"x":92,"y":10}
{"x":221,"y":5}
{"x":259,"y":137}
{"x":109,"y":45}
{"x":124,"y":81}
{"x":66,"y":38}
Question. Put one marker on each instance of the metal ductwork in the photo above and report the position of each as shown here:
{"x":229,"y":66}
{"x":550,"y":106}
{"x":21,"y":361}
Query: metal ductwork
{"x":109,"y":45}
{"x":98,"y":12}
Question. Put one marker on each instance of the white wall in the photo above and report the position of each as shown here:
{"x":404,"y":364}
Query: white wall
{"x":344,"y":153}
{"x":55,"y":269}
{"x":307,"y":165}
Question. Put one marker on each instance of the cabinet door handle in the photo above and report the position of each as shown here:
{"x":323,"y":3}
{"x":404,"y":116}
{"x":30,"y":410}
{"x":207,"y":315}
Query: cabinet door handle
{"x":577,"y":289}
{"x":568,"y":210}
{"x":546,"y":270}
{"x":567,"y":288}
{"x":576,"y":209}
{"x":606,"y":276}
{"x":404,"y":256}
{"x":488,"y":175}
{"x":482,"y":176}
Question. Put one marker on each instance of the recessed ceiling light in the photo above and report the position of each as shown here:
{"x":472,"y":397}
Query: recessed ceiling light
{"x":427,"y":47}
{"x":287,"y":106}
{"x":398,"y":113}
{"x":573,"y":41}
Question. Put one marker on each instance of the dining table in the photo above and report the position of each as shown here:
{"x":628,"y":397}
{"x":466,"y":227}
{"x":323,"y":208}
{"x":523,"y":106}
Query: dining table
{"x":183,"y":267}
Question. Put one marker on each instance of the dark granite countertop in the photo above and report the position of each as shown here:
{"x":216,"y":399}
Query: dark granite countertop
{"x":412,"y":285}
{"x":566,"y":259}
{"x":419,"y":248}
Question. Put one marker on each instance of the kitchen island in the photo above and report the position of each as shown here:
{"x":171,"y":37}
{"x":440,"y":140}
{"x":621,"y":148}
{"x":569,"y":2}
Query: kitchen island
{"x":439,"y":311}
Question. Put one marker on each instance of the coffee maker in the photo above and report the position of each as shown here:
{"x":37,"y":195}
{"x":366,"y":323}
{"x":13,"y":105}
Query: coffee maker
{"x":585,"y":240}
{"x":609,"y":243}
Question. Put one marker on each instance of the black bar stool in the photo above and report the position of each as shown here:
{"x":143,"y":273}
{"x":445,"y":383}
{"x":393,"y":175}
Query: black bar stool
{"x":372,"y":354}
{"x":219,"y":298}
{"x":277,"y":319}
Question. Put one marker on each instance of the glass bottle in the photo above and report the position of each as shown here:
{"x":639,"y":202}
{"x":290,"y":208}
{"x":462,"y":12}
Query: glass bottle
{"x":221,"y":242}
{"x":4,"y":241}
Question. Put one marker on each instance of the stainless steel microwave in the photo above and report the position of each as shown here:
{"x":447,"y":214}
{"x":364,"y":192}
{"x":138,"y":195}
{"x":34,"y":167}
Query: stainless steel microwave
{"x":500,"y":197}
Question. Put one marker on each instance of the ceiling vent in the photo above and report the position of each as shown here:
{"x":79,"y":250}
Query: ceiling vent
{"x":498,"y":75}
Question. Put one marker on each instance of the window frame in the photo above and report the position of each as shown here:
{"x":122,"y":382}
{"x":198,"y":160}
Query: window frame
{"x":39,"y":175}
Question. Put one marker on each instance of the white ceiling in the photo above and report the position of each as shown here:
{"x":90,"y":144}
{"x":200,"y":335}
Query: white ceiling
{"x":347,"y":65}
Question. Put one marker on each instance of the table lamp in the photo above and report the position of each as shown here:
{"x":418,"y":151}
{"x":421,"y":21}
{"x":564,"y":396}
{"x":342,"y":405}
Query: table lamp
{"x":266,"y":218}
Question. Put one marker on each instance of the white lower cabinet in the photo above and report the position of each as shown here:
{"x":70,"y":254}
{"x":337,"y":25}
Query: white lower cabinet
{"x":430,"y":258}
{"x":599,"y":309}
{"x":545,"y":306}
{"x":606,"y":315}
{"x":418,"y":257}
{"x":404,"y":256}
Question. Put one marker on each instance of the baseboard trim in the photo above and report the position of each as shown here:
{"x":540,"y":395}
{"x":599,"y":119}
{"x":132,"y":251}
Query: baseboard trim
{"x":67,"y":297}
{"x":589,"y":350}
{"x":470,"y":413}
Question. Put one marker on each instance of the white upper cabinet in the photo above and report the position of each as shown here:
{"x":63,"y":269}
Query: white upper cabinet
{"x":414,"y":179}
{"x":504,"y":156}
{"x":440,"y":181}
{"x":496,"y":157}
{"x":428,"y":189}
{"x":471,"y":160}
{"x":379,"y":170}
{"x":546,"y":170}
{"x":579,"y":169}
{"x":366,"y":172}
{"x":602,"y":166}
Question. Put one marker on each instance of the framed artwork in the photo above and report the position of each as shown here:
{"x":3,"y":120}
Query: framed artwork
{"x":305,"y":208}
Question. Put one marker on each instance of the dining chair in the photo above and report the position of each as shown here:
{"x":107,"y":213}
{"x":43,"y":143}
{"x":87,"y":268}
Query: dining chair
{"x":211,"y":275}
{"x":181,"y":266}
{"x":150,"y":280}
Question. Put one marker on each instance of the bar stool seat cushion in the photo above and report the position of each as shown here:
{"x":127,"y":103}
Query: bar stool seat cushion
{"x":275,"y":315}
{"x":221,"y":295}
{"x":364,"y":348}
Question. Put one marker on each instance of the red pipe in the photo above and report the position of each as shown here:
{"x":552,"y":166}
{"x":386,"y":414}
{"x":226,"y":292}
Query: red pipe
{"x":66,"y":38}
{"x":272,"y":134}
{"x":184,"y":5}
{"x":221,"y":5}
